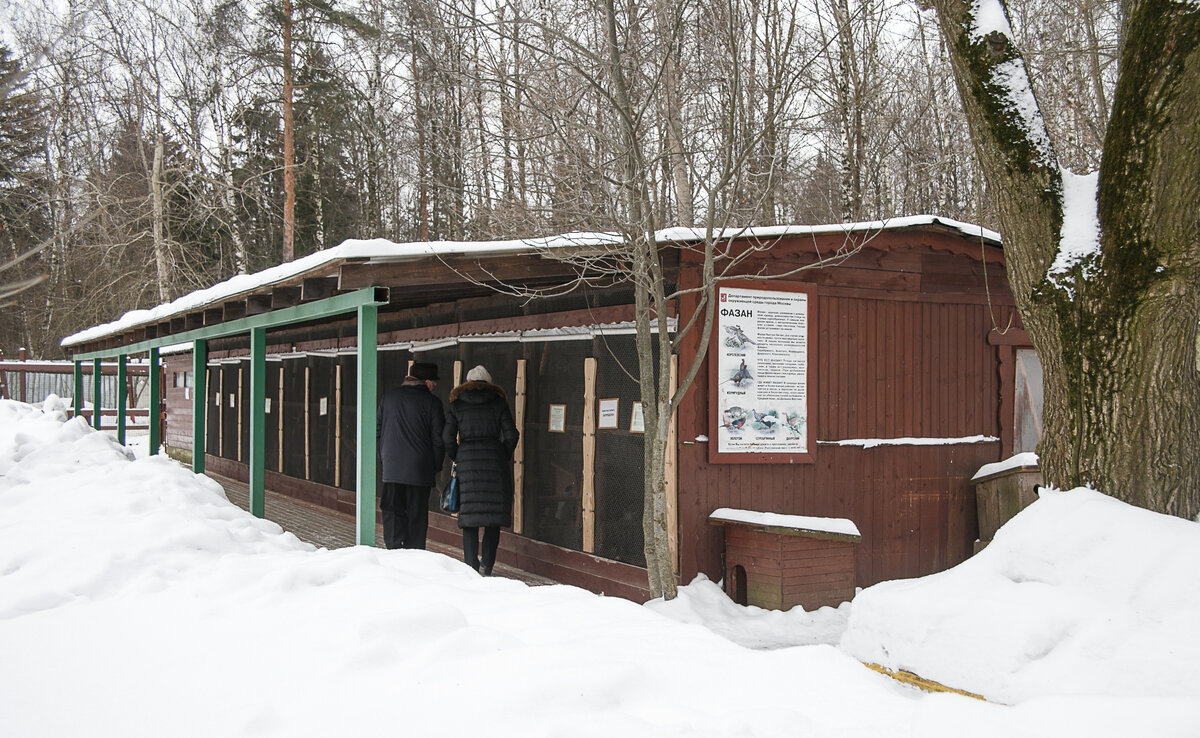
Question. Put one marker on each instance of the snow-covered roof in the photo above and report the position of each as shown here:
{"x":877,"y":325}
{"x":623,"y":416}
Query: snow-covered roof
{"x":838,"y":526}
{"x":1026,"y":460}
{"x":381,"y":250}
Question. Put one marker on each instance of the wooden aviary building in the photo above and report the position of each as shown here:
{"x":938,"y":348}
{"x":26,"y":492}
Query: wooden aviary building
{"x":870,"y":390}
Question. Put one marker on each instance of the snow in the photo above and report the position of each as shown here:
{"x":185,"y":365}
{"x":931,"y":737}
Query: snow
{"x":841,"y":526}
{"x":989,"y":17}
{"x":382,"y":250}
{"x":873,"y":442}
{"x":135,"y":600}
{"x":1080,"y":237}
{"x":1017,"y":461}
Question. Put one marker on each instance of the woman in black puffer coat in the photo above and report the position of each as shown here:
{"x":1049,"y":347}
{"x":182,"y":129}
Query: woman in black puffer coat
{"x":480,"y":436}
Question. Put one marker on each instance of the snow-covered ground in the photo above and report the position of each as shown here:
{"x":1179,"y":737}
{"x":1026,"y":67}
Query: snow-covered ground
{"x":135,"y":600}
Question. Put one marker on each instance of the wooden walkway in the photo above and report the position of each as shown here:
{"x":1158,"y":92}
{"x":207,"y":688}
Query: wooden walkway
{"x":325,"y":528}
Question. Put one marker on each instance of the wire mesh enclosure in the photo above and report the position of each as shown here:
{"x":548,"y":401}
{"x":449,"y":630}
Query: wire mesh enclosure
{"x":553,"y":482}
{"x":619,"y":452}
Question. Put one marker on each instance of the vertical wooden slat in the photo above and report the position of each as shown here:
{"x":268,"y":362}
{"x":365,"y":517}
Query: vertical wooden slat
{"x":458,"y":372}
{"x":281,"y":419}
{"x":589,"y":455}
{"x":337,"y":426}
{"x":307,"y":412}
{"x":519,"y":452}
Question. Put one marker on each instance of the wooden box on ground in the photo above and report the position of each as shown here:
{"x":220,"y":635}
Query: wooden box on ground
{"x":1002,"y":490}
{"x":780,"y":561}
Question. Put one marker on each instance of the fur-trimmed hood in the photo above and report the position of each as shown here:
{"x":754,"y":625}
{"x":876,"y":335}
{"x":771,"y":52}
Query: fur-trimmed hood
{"x":465,"y":387}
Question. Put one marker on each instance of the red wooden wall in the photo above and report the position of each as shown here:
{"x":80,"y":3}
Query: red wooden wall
{"x":898,"y":348}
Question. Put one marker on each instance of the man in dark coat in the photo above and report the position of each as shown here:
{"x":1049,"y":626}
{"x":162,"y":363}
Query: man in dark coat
{"x":409,"y":432}
{"x":480,"y":436}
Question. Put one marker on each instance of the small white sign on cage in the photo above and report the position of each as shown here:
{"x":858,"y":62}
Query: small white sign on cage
{"x":637,"y":421}
{"x":558,"y":419}
{"x":267,"y":406}
{"x":232,"y":400}
{"x":609,"y":409}
{"x":323,"y":406}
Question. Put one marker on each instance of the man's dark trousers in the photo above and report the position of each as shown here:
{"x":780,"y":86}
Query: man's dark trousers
{"x":405,"y":512}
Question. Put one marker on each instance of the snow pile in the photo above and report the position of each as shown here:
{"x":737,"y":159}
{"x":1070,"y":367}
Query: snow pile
{"x":135,"y":600}
{"x":1079,"y":594}
{"x":704,"y":603}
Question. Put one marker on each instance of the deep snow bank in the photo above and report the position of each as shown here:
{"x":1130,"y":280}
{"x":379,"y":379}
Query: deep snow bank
{"x":1078,"y":594}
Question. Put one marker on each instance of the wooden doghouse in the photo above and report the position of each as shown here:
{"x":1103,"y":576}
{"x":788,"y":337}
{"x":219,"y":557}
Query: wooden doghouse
{"x":780,"y":561}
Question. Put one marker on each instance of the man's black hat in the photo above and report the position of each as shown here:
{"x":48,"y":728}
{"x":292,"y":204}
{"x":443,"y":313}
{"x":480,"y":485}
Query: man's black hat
{"x":423,"y":371}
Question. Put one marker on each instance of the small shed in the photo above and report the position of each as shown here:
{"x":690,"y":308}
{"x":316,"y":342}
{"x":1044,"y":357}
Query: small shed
{"x":781,"y":561}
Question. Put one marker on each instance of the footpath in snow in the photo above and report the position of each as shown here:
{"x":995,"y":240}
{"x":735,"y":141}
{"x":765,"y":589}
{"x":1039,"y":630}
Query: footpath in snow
{"x":135,"y":600}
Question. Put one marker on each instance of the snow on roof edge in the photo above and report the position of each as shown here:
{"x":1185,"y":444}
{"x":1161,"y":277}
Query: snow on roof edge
{"x":839,"y":526}
{"x":382,"y":248}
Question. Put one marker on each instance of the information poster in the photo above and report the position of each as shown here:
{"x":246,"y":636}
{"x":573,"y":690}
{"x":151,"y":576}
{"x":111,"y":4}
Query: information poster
{"x":558,"y":419}
{"x":761,"y":374}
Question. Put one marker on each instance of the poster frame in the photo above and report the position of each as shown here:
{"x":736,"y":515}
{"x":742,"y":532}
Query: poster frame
{"x":714,"y":413}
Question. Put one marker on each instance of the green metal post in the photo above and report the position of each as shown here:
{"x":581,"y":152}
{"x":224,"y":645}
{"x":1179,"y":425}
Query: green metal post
{"x":78,"y":388}
{"x":155,"y":402}
{"x":368,"y":364}
{"x":122,"y":396}
{"x":258,"y":445}
{"x":199,"y":404}
{"x":97,"y":395}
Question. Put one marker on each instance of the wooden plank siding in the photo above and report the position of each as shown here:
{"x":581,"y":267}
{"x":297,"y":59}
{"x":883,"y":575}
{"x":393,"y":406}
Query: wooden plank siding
{"x":900,"y":350}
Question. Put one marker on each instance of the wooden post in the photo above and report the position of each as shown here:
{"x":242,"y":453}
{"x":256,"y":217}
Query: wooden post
{"x":220,"y":410}
{"x":671,"y":472}
{"x":337,"y":425}
{"x":280,"y":416}
{"x":258,"y":429}
{"x":97,"y":393}
{"x":122,"y":398}
{"x":589,"y":455}
{"x":307,"y":391}
{"x":519,"y":451}
{"x":155,"y":377}
{"x":457,"y":372}
{"x":368,"y":391}
{"x":199,"y":404}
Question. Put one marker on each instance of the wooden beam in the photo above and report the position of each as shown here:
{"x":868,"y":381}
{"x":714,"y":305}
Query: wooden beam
{"x":284,"y":297}
{"x":453,"y":270}
{"x":258,"y":304}
{"x":318,"y":288}
{"x":235,"y":310}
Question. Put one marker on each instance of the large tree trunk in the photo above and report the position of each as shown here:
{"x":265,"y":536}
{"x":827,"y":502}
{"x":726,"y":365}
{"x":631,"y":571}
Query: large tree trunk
{"x":1117,"y":330}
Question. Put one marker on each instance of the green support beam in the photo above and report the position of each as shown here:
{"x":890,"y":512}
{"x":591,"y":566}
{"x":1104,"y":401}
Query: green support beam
{"x":258,"y":434}
{"x":97,"y":393}
{"x":365,"y":302}
{"x":155,"y":402}
{"x":368,"y":370}
{"x":199,"y":404}
{"x":78,"y":401}
{"x":328,"y":307}
{"x":122,"y":396}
